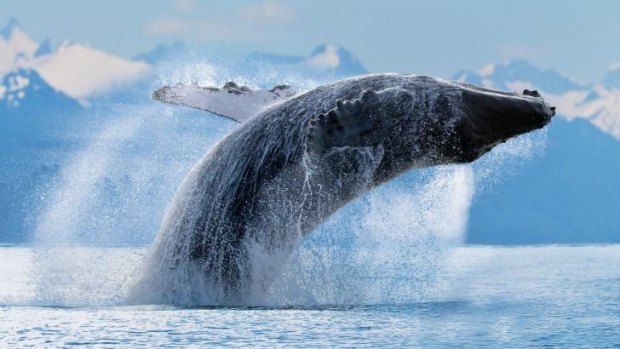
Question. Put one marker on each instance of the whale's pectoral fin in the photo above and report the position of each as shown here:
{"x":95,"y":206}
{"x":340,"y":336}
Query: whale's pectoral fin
{"x":239,"y":103}
{"x":349,"y":124}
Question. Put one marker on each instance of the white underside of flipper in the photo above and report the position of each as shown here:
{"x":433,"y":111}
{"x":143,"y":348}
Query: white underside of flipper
{"x":239,"y":103}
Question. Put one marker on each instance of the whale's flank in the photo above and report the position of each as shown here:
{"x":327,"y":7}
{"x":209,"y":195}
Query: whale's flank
{"x":252,"y":198}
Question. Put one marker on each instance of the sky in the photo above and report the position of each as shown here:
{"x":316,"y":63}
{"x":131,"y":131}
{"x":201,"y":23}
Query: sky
{"x":578,"y":38}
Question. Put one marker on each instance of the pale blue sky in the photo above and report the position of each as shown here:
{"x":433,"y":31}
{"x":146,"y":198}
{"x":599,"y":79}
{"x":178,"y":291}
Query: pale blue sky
{"x":577,"y":38}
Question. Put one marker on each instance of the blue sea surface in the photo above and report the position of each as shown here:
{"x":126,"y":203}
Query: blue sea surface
{"x":508,"y":297}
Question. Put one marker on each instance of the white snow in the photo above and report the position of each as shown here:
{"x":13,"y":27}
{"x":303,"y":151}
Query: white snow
{"x":487,"y":70}
{"x":603,"y":111}
{"x":80,"y":71}
{"x":7,"y":56}
{"x":327,"y":59}
{"x":76,"y":70}
{"x":20,"y":42}
{"x":16,"y":50}
{"x":13,"y":89}
{"x":18,"y":83}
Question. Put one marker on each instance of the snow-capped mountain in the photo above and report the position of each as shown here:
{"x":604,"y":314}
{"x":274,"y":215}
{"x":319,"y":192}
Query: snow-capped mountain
{"x":81,"y":71}
{"x":16,"y":47}
{"x":76,"y":70}
{"x":337,"y":60}
{"x":23,"y":90}
{"x":599,"y":104}
{"x":501,"y":76}
{"x":324,"y":60}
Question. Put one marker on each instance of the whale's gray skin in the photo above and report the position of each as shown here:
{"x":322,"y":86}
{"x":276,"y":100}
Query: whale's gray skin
{"x":251,"y":199}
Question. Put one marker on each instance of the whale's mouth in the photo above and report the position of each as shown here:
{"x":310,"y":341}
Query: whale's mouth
{"x":486,"y":133}
{"x":493,"y":117}
{"x":498,"y":115}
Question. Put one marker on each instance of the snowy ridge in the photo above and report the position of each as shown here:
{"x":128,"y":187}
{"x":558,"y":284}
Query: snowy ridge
{"x":599,"y":104}
{"x":81,"y":71}
{"x":25,"y":88}
{"x":75,"y":70}
{"x":336,"y":60}
{"x":15,"y":46}
{"x":324,"y":59}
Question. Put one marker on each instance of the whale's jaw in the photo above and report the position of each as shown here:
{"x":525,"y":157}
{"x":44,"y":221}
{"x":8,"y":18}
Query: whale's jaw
{"x":493,"y":117}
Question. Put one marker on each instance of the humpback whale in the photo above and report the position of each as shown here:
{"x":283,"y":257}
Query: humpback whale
{"x":297,"y":158}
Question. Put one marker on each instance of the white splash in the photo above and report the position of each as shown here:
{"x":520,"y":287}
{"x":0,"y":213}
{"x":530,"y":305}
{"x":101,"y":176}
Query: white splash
{"x":111,"y":193}
{"x":71,"y":198}
{"x":387,"y":248}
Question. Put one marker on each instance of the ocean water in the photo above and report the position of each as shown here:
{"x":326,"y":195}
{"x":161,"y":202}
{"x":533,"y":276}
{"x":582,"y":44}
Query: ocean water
{"x":476,"y":296}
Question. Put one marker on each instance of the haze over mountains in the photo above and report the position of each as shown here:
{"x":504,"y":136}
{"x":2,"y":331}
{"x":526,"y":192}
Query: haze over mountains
{"x":567,"y":194}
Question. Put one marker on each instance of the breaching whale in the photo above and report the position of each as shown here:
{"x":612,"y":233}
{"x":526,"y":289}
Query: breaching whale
{"x":297,"y":158}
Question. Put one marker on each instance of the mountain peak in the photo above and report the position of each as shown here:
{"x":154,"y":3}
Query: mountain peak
{"x":45,"y":48}
{"x":325,"y":60}
{"x":338,"y":59}
{"x":325,"y":57}
{"x":17,"y":39}
{"x":502,"y":75}
{"x":25,"y":88}
{"x":8,"y":29}
{"x":77,"y":71}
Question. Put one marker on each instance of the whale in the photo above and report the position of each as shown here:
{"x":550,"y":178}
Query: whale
{"x":296,"y":158}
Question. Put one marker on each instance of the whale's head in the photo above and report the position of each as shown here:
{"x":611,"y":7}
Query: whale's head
{"x":428,"y":121}
{"x":490,"y":117}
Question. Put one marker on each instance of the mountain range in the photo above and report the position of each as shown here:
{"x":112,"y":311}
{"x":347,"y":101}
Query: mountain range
{"x":569,"y":193}
{"x":75,"y":70}
{"x":598,"y":103}
{"x":566,"y":193}
{"x":336,"y":62}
